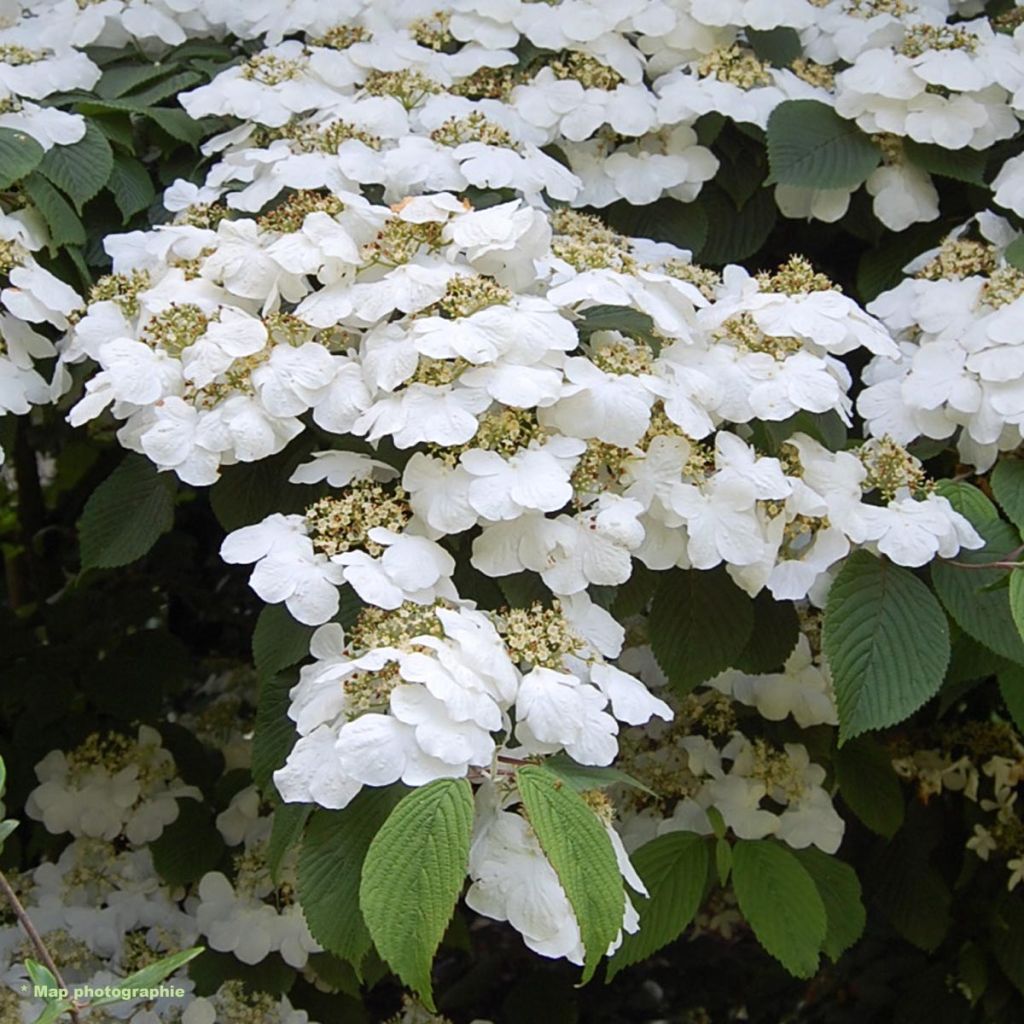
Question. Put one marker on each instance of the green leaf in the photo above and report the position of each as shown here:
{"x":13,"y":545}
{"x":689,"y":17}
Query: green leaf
{"x":700,"y":623}
{"x":53,"y":1012}
{"x":177,"y":124}
{"x":82,"y":169}
{"x":1017,"y":599}
{"x":42,"y":977}
{"x":1011,"y":689}
{"x":966,"y":165}
{"x":583,"y":777}
{"x":777,"y":46}
{"x":980,"y":611}
{"x":117,"y":81}
{"x":63,"y":223}
{"x":274,"y":735}
{"x":674,"y":868}
{"x":130,"y":186}
{"x":839,"y":889}
{"x":330,"y":864}
{"x":970,"y":501}
{"x":412,"y":876}
{"x":1007,"y":482}
{"x":154,"y":94}
{"x":578,"y":847}
{"x":881,"y":267}
{"x":869,"y":785}
{"x":774,"y":636}
{"x":723,"y":860}
{"x":1014,"y":253}
{"x":19,"y":156}
{"x":189,"y":847}
{"x":737,"y":233}
{"x":151,"y":976}
{"x":887,"y":642}
{"x":1007,"y":934}
{"x":811,"y":146}
{"x":780,"y":899}
{"x":279,"y":641}
{"x":618,"y":318}
{"x":126,"y":514}
{"x":285,"y":832}
{"x":210,"y":970}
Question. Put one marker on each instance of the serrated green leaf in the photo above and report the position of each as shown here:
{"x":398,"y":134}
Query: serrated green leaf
{"x":583,"y":777}
{"x":700,"y":623}
{"x":285,"y":832}
{"x":63,"y":223}
{"x":1008,"y":486}
{"x":177,"y":124}
{"x":117,"y":81}
{"x":131,"y":187}
{"x":887,"y":643}
{"x":779,"y":898}
{"x":959,"y":164}
{"x":979,"y":610}
{"x":840,"y":893}
{"x":167,"y":87}
{"x":1014,"y":253}
{"x":151,"y":976}
{"x":126,"y":514}
{"x":774,"y":635}
{"x":869,"y":785}
{"x":811,"y":146}
{"x":330,"y":865}
{"x":674,"y":868}
{"x":279,"y":641}
{"x":881,"y":268}
{"x":81,"y":169}
{"x":578,"y":847}
{"x":1017,"y":599}
{"x":19,"y":156}
{"x":412,"y":876}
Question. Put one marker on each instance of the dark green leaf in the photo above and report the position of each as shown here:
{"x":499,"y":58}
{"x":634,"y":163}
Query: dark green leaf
{"x":61,"y":220}
{"x":869,"y":785}
{"x":674,"y":868}
{"x":126,"y":514}
{"x":130,"y":186}
{"x":959,"y":164}
{"x":811,"y":146}
{"x":699,"y":625}
{"x":330,"y":865}
{"x":887,"y":643}
{"x":279,"y":641}
{"x":188,"y":847}
{"x":773,"y":638}
{"x":82,"y":169}
{"x":777,"y":46}
{"x":1008,"y":486}
{"x":780,"y":899}
{"x":19,"y":156}
{"x":839,"y":889}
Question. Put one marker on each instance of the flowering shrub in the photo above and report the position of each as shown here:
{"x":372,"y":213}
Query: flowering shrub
{"x":617,"y":412}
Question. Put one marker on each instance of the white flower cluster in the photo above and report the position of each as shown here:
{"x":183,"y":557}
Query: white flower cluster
{"x":985,"y":763}
{"x":29,"y":295}
{"x":417,"y":99}
{"x":961,"y":369}
{"x":104,"y":912}
{"x":704,"y":763}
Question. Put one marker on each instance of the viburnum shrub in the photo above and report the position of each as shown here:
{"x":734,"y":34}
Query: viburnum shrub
{"x":512,"y":511}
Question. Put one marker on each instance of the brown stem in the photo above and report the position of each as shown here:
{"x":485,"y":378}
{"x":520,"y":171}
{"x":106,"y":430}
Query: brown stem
{"x":37,"y":940}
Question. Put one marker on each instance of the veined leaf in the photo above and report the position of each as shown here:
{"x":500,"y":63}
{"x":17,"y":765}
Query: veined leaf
{"x":887,"y":643}
{"x":1008,"y":486}
{"x":674,"y":867}
{"x":839,"y":889}
{"x":578,"y":847}
{"x":81,"y":169}
{"x":412,"y":876}
{"x":780,"y":899}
